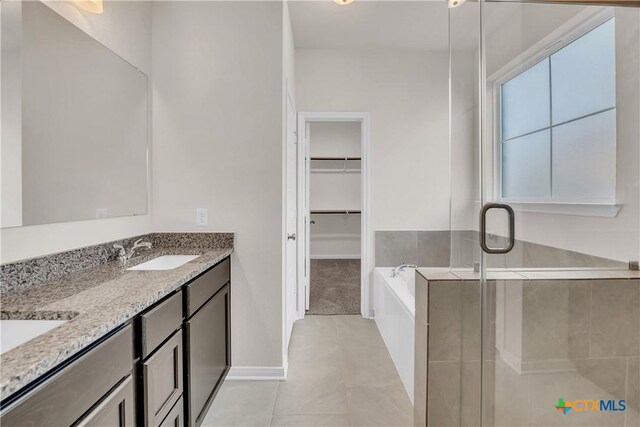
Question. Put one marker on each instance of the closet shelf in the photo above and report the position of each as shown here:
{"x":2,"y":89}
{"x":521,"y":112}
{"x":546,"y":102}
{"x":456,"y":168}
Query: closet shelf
{"x":336,"y":158}
{"x":335,"y":212}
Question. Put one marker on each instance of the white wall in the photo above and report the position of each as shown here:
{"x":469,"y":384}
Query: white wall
{"x":614,"y":238}
{"x":124,"y":27}
{"x":406,"y":94}
{"x":217,"y":132}
{"x":11,"y":117}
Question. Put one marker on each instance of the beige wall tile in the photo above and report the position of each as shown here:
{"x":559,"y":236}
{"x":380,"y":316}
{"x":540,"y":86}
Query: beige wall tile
{"x":421,"y":296}
{"x":615,"y":318}
{"x":555,"y":321}
{"x":420,"y":373}
{"x":445,"y":320}
{"x":471,"y":397}
{"x":632,"y":416}
{"x":444,"y":394}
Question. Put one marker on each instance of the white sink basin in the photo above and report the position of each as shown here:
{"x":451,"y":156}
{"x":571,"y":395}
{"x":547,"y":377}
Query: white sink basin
{"x":16,"y":332}
{"x":165,"y":262}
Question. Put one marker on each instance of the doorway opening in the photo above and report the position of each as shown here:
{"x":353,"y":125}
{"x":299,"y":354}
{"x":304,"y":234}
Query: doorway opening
{"x":334,"y":215}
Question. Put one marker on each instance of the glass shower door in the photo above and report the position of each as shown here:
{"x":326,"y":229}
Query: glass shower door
{"x":560,"y":96}
{"x":545,"y":113}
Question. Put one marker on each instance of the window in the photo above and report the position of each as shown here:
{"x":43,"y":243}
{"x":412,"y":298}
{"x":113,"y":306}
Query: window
{"x":558,"y":124}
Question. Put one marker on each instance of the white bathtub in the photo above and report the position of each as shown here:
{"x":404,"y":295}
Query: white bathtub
{"x":395,"y":309}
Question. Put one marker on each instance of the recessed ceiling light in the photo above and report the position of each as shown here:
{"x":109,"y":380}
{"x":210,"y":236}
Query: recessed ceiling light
{"x":343,"y":2}
{"x":455,"y":3}
{"x":93,"y":6}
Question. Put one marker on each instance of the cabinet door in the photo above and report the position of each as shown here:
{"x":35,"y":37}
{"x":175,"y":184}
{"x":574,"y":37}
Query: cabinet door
{"x":175,"y":418}
{"x":208,"y":353}
{"x":116,"y":410}
{"x":162,"y":380}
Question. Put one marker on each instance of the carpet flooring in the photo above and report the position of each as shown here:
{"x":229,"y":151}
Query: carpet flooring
{"x":335,"y":286}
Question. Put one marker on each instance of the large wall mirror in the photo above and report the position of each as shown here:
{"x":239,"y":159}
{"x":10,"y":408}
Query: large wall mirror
{"x":74,"y":123}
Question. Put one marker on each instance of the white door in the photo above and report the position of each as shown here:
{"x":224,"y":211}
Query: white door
{"x":307,"y":214}
{"x":291,"y":261}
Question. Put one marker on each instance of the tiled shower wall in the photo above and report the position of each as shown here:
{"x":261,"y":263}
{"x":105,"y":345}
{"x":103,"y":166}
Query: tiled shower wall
{"x":576,"y":339}
{"x":459,"y":249}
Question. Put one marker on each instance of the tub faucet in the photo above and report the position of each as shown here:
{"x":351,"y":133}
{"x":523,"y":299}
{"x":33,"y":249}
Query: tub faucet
{"x":124,"y":255}
{"x":401,"y":268}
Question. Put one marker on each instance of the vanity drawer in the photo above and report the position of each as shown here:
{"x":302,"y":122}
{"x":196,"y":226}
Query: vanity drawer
{"x":162,"y":380}
{"x":176,"y":416}
{"x":115,"y":410}
{"x":160,"y":322}
{"x":65,"y":397}
{"x":205,"y":286}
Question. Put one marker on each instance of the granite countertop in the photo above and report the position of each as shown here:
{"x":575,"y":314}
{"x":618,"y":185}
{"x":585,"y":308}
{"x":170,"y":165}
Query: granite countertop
{"x":95,"y":301}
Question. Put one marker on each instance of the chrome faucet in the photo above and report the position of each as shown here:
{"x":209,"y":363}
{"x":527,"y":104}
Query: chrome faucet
{"x":124,"y":255}
{"x":399,"y":269}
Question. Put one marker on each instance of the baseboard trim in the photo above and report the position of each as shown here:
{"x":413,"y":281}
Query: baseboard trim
{"x":334,"y":256}
{"x":258,"y":373}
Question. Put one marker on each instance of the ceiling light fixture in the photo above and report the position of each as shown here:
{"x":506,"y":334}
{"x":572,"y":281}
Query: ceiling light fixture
{"x":343,"y":2}
{"x":93,"y":6}
{"x":455,"y":3}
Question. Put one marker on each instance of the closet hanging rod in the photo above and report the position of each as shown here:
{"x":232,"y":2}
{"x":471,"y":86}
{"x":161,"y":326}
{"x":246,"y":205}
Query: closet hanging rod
{"x":336,"y":158}
{"x":329,"y":212}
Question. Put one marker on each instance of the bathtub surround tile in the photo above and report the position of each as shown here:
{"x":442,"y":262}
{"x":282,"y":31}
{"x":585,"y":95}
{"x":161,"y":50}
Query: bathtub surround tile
{"x":434,"y":248}
{"x":536,"y":255}
{"x":379,"y":406}
{"x":393,"y":248}
{"x":465,"y":250}
{"x":615,"y":306}
{"x":98,"y":299}
{"x":33,"y":271}
{"x":230,"y":408}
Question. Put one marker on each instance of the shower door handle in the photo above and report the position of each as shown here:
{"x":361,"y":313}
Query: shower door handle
{"x":483,"y":228}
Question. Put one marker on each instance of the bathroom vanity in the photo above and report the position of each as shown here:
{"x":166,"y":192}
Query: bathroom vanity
{"x":162,"y":366}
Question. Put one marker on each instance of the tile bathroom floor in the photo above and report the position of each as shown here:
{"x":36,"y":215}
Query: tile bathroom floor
{"x":340,"y":374}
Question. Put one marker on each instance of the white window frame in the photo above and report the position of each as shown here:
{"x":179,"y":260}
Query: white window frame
{"x":555,"y":41}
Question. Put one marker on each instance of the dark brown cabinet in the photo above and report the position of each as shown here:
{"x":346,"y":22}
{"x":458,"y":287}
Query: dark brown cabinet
{"x":162,"y":380}
{"x":208,"y":353}
{"x":161,"y":369}
{"x":116,"y":410}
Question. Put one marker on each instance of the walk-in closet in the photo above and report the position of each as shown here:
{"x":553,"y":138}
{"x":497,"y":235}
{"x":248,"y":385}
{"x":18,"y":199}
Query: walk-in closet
{"x":335,"y":209}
